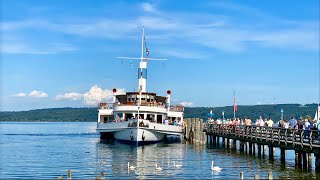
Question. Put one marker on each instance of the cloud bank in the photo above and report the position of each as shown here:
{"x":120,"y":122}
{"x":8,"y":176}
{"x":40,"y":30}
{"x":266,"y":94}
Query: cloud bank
{"x":94,"y":96}
{"x":34,"y":94}
{"x":187,"y":104}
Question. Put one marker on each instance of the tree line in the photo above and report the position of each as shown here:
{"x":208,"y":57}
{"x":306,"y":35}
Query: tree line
{"x":90,"y":114}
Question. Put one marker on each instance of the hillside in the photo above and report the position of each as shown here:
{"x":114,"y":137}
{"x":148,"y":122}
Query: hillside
{"x":90,"y":114}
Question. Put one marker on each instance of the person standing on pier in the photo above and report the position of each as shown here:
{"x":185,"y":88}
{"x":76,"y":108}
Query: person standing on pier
{"x":248,"y":121}
{"x":286,"y":124}
{"x":300,"y":124}
{"x":270,"y":122}
{"x":292,"y":122}
{"x":280,"y":124}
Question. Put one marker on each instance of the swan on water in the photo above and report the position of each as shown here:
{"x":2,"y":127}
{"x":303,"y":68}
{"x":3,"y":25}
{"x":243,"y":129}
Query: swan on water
{"x":215,"y":168}
{"x":158,"y":168}
{"x":131,"y":167}
{"x":176,"y":165}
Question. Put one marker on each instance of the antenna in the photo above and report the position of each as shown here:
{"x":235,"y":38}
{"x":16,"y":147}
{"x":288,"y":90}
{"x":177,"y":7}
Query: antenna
{"x":142,"y":71}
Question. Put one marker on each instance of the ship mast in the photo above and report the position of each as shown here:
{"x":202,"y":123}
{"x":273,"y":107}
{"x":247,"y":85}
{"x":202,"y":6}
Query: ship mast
{"x":142,"y":71}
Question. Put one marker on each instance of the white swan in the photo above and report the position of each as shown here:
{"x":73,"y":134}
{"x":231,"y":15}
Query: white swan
{"x":176,"y":165}
{"x":130,"y":167}
{"x":158,"y":168}
{"x":215,"y":168}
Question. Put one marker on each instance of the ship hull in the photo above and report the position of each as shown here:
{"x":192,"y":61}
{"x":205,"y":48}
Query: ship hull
{"x":135,"y":136}
{"x":143,"y":134}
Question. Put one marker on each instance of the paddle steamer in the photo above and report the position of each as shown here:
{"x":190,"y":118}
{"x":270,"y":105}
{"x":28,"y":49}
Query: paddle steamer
{"x":140,"y":117}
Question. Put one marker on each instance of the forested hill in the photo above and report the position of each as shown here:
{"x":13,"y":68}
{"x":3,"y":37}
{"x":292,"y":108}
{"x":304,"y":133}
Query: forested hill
{"x":90,"y":114}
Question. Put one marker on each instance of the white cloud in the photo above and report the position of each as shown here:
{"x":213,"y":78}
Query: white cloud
{"x":20,"y":95}
{"x":94,"y":96}
{"x":34,"y":94}
{"x":71,"y":96}
{"x":97,"y":94}
{"x":177,"y":29}
{"x":23,"y":48}
{"x":147,"y":7}
{"x":38,"y":94}
{"x":186,"y":104}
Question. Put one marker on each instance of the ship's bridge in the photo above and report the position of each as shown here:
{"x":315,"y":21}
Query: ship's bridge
{"x":146,"y":99}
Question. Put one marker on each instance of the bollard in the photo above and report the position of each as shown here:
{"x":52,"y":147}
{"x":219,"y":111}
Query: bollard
{"x":270,"y":176}
{"x":60,"y":178}
{"x":241,"y":175}
{"x":256,"y":176}
{"x":102,"y":176}
{"x":69,"y":174}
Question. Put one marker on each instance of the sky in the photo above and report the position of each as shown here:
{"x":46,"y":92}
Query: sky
{"x":63,"y":53}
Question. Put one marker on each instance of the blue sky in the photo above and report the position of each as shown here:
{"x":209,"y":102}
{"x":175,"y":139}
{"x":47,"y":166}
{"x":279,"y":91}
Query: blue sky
{"x":63,"y":53}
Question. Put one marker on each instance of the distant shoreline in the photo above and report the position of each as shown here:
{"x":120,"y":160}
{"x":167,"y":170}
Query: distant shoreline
{"x":86,"y":114}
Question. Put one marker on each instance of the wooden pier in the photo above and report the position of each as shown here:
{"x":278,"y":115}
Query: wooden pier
{"x":193,"y":131}
{"x":255,"y":139}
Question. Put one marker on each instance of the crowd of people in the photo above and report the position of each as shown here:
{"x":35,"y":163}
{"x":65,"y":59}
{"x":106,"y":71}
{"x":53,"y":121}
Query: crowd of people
{"x":306,"y":124}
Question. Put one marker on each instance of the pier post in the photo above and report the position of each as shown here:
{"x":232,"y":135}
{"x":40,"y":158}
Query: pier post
{"x":69,"y":174}
{"x":203,"y":138}
{"x":283,"y":155}
{"x":254,"y":149}
{"x":259,"y":150}
{"x":304,"y":160}
{"x":271,"y":153}
{"x":317,"y":162}
{"x":241,"y":175}
{"x":298,"y":160}
{"x":188,"y":127}
{"x":309,"y":162}
{"x":192,"y":130}
{"x":270,"y":176}
{"x":241,"y":146}
{"x":228,"y":143}
{"x":245,"y":147}
{"x":234,"y":144}
{"x":218,"y":140}
{"x":102,"y":176}
{"x":264,"y":150}
{"x":250,"y":148}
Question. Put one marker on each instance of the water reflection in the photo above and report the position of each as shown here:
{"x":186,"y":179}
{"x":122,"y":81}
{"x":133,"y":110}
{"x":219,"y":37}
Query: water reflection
{"x":113,"y":158}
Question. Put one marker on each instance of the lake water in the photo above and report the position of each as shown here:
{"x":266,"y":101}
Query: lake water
{"x":47,"y":150}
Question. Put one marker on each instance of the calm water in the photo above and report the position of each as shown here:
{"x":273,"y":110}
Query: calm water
{"x":48,"y":150}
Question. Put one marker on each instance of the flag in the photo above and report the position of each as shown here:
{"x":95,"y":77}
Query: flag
{"x":145,"y":45}
{"x":147,"y":52}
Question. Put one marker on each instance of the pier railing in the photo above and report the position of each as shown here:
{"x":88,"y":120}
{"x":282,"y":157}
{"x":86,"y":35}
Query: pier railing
{"x":294,"y":138}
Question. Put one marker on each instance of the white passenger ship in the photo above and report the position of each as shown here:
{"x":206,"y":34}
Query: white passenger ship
{"x":140,"y":117}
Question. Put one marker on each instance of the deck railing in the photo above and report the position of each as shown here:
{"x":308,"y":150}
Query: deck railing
{"x":177,"y":108}
{"x":294,"y":137}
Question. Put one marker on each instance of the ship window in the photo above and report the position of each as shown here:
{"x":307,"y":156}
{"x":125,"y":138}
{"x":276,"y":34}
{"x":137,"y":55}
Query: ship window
{"x":128,"y":99}
{"x":141,"y":116}
{"x":159,"y":119}
{"x":128,"y":116}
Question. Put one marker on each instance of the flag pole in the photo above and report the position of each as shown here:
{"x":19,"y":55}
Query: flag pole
{"x":234,"y":104}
